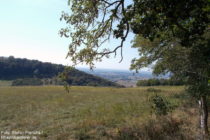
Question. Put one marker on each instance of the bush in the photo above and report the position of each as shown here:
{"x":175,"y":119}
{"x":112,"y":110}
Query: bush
{"x":160,"y":105}
{"x":27,"y":82}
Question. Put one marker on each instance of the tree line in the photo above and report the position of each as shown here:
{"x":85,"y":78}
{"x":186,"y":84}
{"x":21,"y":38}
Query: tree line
{"x":160,"y":82}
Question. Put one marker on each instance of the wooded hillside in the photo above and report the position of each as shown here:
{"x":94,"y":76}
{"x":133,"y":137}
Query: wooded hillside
{"x":18,"y":68}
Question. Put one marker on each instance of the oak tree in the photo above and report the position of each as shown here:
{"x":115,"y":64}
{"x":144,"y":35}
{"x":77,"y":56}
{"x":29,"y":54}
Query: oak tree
{"x":172,"y":35}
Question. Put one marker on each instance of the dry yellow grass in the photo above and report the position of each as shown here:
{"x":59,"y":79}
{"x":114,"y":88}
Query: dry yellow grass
{"x":89,"y":112}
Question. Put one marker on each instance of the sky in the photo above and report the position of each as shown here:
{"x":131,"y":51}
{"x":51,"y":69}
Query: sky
{"x":29,"y":29}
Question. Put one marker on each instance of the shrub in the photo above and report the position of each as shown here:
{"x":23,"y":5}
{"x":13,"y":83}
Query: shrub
{"x":160,"y":105}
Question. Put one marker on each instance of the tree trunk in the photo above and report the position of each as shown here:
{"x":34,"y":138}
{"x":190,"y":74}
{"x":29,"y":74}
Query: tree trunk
{"x":203,"y":116}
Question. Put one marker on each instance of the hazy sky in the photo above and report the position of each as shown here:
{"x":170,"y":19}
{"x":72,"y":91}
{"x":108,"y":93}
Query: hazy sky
{"x":29,"y":29}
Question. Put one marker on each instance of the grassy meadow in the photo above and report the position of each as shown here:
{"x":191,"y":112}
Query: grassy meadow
{"x":96,"y":113}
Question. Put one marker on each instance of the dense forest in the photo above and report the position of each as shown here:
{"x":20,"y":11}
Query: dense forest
{"x":34,"y":72}
{"x":13,"y":68}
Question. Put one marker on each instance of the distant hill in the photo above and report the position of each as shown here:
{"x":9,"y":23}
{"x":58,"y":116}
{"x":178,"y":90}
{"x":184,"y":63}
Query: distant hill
{"x":13,"y":68}
{"x":17,"y":68}
{"x":123,"y":77}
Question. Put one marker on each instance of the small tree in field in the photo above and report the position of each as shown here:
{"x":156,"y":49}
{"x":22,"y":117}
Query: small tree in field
{"x":174,"y":35}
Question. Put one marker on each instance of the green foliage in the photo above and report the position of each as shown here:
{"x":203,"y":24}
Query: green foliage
{"x":27,"y":82}
{"x":74,"y":77}
{"x":186,"y":60}
{"x":160,"y":105}
{"x":159,"y":82}
{"x":14,"y":68}
{"x":94,"y":22}
{"x":53,"y":81}
{"x":33,"y":72}
{"x":172,"y":35}
{"x":37,"y":82}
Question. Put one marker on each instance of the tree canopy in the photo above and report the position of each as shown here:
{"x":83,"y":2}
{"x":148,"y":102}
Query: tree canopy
{"x":93,"y":22}
{"x":171,"y":35}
